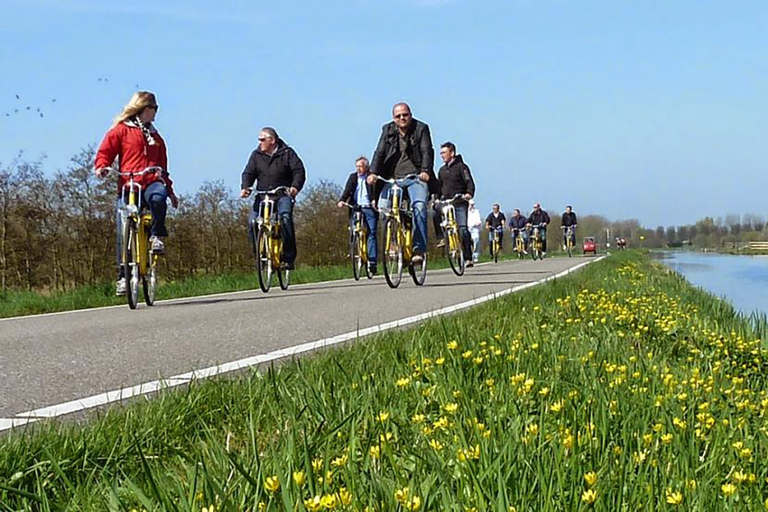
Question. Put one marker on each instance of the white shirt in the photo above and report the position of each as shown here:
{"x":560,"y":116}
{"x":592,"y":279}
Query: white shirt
{"x":362,"y":192}
{"x":474,"y":219}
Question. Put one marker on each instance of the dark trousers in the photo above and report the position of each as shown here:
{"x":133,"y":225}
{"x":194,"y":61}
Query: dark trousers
{"x":284,"y":206}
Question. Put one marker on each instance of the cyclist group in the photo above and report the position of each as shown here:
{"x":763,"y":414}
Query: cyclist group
{"x":403,"y":156}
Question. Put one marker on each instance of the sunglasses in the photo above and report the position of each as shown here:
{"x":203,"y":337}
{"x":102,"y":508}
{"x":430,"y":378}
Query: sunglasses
{"x":402,"y":116}
{"x":262,"y":139}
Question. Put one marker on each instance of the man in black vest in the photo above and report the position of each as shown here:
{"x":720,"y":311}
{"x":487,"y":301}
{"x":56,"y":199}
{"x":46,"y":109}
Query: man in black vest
{"x":358,"y":192}
{"x":405,"y":150}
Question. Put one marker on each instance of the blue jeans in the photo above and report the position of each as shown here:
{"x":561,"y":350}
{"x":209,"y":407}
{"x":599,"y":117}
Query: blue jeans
{"x":462,"y":212}
{"x":371,"y":219}
{"x":154,"y":197}
{"x":417,"y":192}
{"x":285,"y":215}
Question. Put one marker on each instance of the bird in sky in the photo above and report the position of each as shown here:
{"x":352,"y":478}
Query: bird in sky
{"x":17,"y":97}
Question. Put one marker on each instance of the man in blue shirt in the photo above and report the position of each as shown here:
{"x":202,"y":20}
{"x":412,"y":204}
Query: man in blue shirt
{"x":358,"y":192}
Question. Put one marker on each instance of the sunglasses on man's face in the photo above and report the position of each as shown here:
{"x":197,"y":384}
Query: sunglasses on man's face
{"x":402,"y":116}
{"x":262,"y":139}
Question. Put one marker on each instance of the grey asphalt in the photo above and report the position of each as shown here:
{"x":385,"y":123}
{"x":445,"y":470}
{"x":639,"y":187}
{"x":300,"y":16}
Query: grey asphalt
{"x":51,"y":359}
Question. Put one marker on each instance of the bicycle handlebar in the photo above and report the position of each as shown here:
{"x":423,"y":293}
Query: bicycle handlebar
{"x":455,"y":198}
{"x":395,"y":180}
{"x":152,"y":168}
{"x":272,"y":192}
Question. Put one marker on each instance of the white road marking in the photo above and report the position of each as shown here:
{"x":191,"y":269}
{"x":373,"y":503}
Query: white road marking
{"x":149,"y":387}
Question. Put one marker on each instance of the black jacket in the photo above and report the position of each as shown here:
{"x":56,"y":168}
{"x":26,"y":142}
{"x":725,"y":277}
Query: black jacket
{"x":538,"y":218}
{"x":495,"y":222}
{"x":350,"y":191}
{"x":283,"y":168}
{"x":518,"y":222}
{"x":569,"y":219}
{"x":419,"y":150}
{"x":455,"y":178}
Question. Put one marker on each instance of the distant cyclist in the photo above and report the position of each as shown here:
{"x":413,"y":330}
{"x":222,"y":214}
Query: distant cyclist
{"x":274,"y":164}
{"x":359,"y":193}
{"x":405,"y":149}
{"x":569,"y":220}
{"x":517,"y":224}
{"x":454,"y":179}
{"x":475,"y":224}
{"x":495,"y":221}
{"x":540,"y":218}
{"x":135,"y":142}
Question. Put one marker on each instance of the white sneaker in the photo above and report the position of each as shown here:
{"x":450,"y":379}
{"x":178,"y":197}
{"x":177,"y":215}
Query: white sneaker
{"x":158,"y":247}
{"x":121,"y":287}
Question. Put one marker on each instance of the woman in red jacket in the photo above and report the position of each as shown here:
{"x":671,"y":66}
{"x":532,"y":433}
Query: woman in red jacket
{"x":134,"y":139}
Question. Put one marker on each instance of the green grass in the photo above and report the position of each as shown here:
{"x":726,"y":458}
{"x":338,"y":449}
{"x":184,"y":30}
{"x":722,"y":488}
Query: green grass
{"x":622,"y":370}
{"x":20,"y":303}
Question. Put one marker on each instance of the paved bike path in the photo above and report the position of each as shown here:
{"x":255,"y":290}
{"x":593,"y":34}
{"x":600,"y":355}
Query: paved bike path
{"x":52,"y":359}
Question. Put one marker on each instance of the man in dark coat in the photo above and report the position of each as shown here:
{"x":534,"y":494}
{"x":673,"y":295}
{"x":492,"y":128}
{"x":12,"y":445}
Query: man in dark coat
{"x":455,"y":178}
{"x":274,"y":164}
{"x":405,"y":151}
{"x":359,"y":193}
{"x":540,"y":218}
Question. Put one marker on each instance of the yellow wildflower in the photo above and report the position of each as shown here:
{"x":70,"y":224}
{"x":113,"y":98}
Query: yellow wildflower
{"x":674,"y":497}
{"x":299,"y":478}
{"x":272,"y":483}
{"x":590,"y":478}
{"x":589,"y":496}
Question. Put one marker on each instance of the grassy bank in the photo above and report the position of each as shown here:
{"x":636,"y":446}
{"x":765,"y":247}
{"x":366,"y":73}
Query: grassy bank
{"x":20,"y":303}
{"x":619,"y":388}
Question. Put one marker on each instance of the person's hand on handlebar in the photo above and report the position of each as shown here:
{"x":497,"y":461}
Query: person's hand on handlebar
{"x":340,"y":204}
{"x":245,"y":193}
{"x":467,"y":196}
{"x":371,"y":179}
{"x":102,"y":173}
{"x":293,"y":191}
{"x":424,"y":176}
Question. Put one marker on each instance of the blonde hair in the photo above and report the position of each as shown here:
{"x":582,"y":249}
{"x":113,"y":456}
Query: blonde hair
{"x":138,"y":102}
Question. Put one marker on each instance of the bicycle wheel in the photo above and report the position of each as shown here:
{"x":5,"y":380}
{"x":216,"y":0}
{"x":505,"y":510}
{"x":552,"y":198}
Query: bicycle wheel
{"x":263,"y":258}
{"x":569,"y":245}
{"x":130,"y":266}
{"x":357,"y":257}
{"x":535,"y":250}
{"x":284,"y":278}
{"x":454,"y":252}
{"x":150,"y":285}
{"x":393,"y":254}
{"x":495,"y":250}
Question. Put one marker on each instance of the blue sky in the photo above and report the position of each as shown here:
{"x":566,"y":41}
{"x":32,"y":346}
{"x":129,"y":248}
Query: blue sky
{"x":651,"y":109}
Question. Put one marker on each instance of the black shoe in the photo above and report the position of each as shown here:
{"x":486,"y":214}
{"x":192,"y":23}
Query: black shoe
{"x":288,"y":266}
{"x":470,"y":264}
{"x":372,"y":269}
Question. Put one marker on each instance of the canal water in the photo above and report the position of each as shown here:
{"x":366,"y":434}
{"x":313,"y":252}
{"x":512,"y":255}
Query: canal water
{"x":741,"y":280}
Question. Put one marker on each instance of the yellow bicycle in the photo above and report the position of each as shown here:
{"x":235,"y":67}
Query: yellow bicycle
{"x":569,"y":233}
{"x":537,"y":243}
{"x":358,"y":243}
{"x":517,"y":235}
{"x":267,"y":241}
{"x":398,"y":237}
{"x":496,"y":243}
{"x":138,"y":262}
{"x":454,"y":248}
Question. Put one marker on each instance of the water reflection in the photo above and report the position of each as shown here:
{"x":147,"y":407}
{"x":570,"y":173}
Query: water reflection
{"x":741,"y":280}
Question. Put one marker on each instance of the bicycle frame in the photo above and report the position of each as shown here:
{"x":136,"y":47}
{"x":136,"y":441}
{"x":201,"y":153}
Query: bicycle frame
{"x":404,"y":235}
{"x":131,"y":208}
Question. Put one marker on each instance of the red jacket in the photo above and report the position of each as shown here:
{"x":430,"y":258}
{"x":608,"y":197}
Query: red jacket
{"x":129,"y":143}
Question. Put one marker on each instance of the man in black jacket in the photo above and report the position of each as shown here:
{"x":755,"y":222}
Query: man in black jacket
{"x":455,"y":178}
{"x":495,"y":222}
{"x":405,"y":149}
{"x":540,"y":218}
{"x":568,"y":220}
{"x":359,"y":193}
{"x":274,"y":164}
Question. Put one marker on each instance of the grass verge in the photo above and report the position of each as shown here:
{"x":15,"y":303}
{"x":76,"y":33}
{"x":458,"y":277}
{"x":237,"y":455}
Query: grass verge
{"x":618,"y":388}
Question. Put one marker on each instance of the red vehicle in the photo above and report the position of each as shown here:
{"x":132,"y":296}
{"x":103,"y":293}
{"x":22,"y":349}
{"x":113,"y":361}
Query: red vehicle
{"x":590,"y":245}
